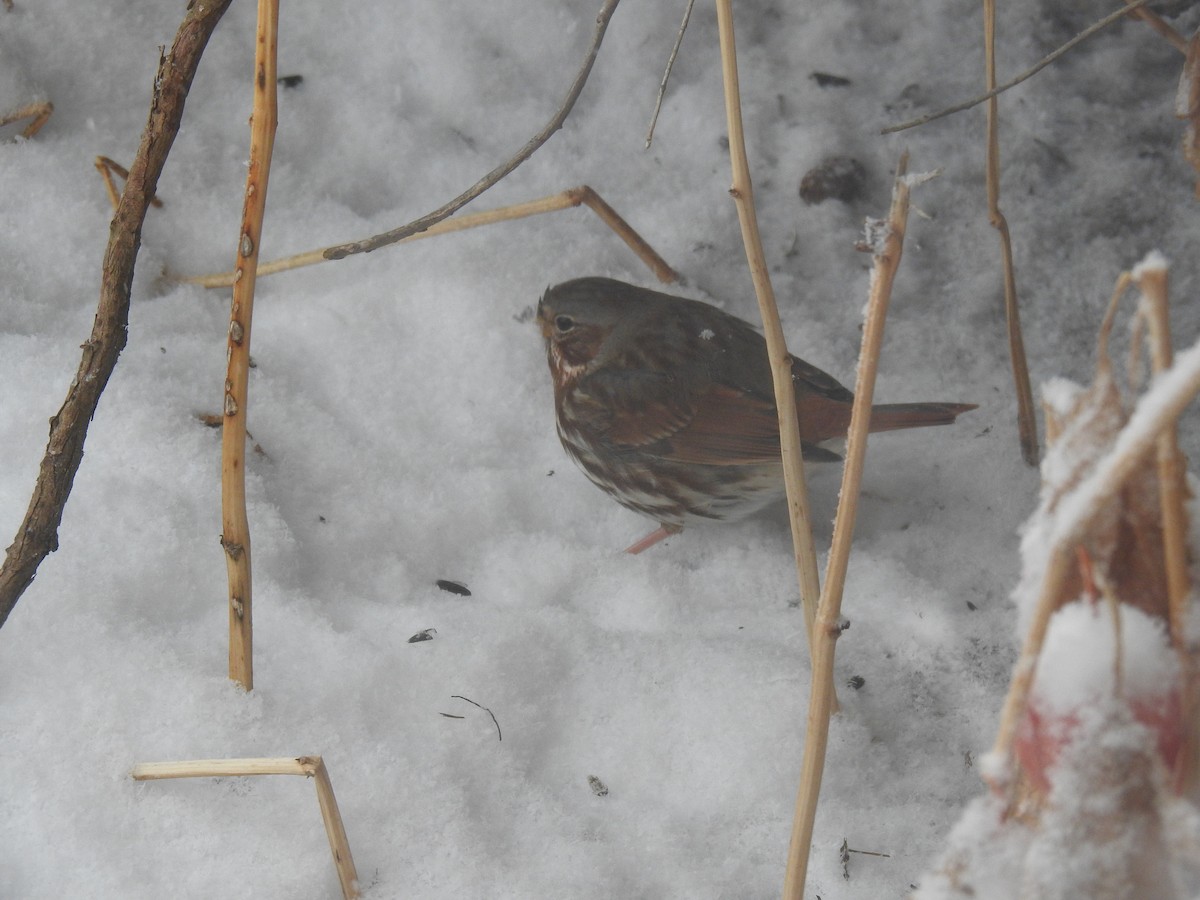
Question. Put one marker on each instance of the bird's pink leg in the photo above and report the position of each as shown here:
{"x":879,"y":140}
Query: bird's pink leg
{"x":659,"y":534}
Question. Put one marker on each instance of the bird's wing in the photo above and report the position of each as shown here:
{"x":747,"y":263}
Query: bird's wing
{"x":726,"y":427}
{"x":809,"y":379}
{"x":712,"y":424}
{"x":717,"y":406}
{"x":737,"y":359}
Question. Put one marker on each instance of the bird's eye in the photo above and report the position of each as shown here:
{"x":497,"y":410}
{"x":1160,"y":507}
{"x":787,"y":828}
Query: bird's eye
{"x":563,"y":324}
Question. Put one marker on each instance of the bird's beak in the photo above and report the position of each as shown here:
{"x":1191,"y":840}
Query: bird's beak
{"x":544,"y":319}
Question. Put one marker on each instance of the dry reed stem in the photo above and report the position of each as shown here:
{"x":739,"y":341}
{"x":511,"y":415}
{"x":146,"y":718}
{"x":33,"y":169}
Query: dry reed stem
{"x":1139,"y":437}
{"x":1172,"y":486}
{"x":235,"y":525}
{"x":446,"y":210}
{"x":107,"y":168}
{"x":38,"y":113}
{"x":1116,"y":16}
{"x":742,"y":192}
{"x":37,"y":535}
{"x":1026,"y":413}
{"x":829,"y":615}
{"x":309,"y":766}
{"x":568,"y":199}
{"x":223,"y":768}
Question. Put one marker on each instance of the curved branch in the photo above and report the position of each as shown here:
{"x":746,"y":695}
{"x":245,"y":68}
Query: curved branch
{"x":341,"y":251}
{"x":37,"y":536}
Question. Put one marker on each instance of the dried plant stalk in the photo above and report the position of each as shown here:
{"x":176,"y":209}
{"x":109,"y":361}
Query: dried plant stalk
{"x":1154,"y":414}
{"x":829,"y":614}
{"x":235,"y":534}
{"x":781,"y":363}
{"x":577,"y":196}
{"x":1173,"y":491}
{"x":224,"y":768}
{"x":309,"y":766}
{"x":1026,"y":414}
{"x":662,"y":87}
{"x":1153,"y":283}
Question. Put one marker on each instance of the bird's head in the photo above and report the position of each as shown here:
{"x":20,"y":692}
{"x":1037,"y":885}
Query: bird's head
{"x":576,"y":318}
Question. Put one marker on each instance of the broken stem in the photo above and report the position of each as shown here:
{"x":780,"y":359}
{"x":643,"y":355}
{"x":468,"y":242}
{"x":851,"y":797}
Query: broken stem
{"x":309,"y":766}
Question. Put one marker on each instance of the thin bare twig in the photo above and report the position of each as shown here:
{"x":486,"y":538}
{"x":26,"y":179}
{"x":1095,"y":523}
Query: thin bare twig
{"x":417,"y":225}
{"x":499,"y":735}
{"x":235,"y":525}
{"x":1028,"y":73}
{"x":37,"y":535}
{"x":662,"y":87}
{"x":742,"y":192}
{"x":829,"y":614}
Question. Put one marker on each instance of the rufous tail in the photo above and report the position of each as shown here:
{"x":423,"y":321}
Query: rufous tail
{"x":895,"y":416}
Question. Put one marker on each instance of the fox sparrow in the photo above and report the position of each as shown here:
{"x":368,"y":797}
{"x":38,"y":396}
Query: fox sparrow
{"x":668,"y":405}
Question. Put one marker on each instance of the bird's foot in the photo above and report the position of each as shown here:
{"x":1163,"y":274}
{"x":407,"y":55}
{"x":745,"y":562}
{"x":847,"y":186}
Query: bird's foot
{"x":659,"y":534}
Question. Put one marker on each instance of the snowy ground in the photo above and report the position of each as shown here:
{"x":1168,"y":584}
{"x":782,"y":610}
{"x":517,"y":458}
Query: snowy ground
{"x":404,"y":409}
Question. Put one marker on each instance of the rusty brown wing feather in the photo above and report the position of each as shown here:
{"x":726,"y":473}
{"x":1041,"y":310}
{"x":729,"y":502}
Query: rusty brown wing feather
{"x":719,"y":409}
{"x":664,"y":418}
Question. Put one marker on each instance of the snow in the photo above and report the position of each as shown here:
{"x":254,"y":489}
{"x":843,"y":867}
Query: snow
{"x":1100,"y":836}
{"x":1082,"y":642}
{"x":403,"y":408}
{"x":1167,"y":397}
{"x":1153,"y":261}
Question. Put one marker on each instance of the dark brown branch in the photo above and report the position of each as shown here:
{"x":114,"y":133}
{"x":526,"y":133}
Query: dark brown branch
{"x":38,"y":533}
{"x":341,"y":251}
